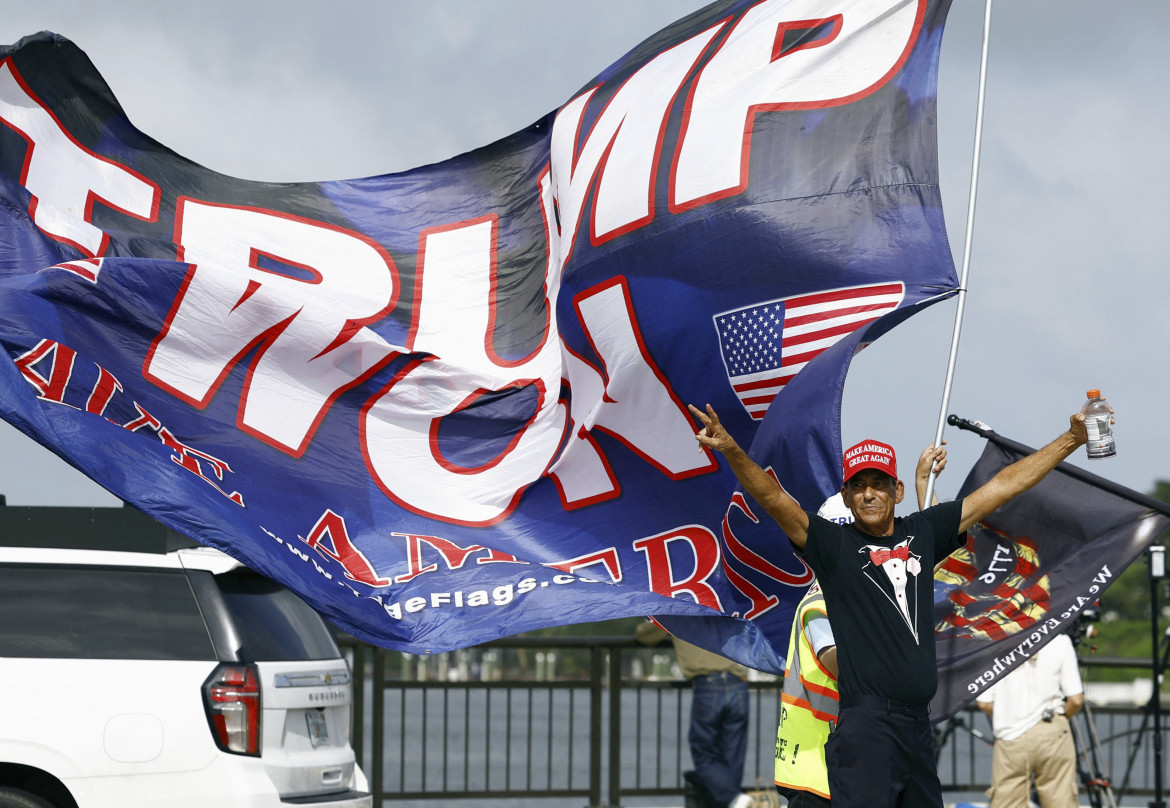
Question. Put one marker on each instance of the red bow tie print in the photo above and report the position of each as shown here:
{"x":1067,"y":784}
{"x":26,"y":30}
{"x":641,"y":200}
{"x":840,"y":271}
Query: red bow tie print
{"x":880,"y":557}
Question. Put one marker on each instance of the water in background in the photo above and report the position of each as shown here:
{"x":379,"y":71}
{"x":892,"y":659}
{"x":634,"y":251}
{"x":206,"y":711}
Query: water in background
{"x":538,"y":738}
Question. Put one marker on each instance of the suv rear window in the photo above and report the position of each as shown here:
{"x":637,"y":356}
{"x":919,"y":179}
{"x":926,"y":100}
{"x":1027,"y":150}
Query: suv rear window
{"x":274,"y":625}
{"x":100,"y":612}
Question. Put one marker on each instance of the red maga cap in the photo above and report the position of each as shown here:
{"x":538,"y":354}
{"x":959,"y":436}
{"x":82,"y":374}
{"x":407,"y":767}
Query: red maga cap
{"x":869,"y":454}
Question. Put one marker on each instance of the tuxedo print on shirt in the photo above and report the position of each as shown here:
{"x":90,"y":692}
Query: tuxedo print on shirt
{"x":889,"y":568}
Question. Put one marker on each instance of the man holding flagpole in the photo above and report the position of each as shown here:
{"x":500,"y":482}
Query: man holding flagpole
{"x":875,"y":574}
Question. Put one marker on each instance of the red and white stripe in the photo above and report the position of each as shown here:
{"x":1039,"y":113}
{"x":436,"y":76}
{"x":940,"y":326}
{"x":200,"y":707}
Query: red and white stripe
{"x":812,"y":324}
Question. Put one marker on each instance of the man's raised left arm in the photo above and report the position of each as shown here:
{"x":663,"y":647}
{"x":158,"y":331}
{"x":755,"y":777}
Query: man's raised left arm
{"x":931,"y":460}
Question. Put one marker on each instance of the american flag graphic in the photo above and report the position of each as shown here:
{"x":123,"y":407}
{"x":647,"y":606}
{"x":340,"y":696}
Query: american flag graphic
{"x":766,"y":344}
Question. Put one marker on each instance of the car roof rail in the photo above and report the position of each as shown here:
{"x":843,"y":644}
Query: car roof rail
{"x":124,"y":529}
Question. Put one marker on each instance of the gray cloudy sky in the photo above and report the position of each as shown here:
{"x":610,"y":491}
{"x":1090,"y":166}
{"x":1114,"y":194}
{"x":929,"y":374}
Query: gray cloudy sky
{"x":1065,"y":292}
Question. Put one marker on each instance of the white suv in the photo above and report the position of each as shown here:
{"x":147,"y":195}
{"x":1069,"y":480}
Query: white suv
{"x":156,"y":676}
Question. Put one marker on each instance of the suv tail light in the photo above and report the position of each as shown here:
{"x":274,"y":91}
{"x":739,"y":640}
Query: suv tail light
{"x":231,"y":696}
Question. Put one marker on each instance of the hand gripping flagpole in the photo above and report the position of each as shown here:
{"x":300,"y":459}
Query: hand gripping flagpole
{"x":962,"y":295}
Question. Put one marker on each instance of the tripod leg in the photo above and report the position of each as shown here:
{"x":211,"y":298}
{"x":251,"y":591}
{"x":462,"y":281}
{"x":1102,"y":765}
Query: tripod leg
{"x":941,"y":736}
{"x":1149,"y":709}
{"x":1137,"y":745}
{"x":1084,"y":777}
{"x":1101,"y":784}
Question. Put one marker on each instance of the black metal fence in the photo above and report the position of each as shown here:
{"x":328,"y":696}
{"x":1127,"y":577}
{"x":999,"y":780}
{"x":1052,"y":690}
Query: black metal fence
{"x":602,"y":728}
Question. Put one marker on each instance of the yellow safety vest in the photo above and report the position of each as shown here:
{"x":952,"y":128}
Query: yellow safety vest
{"x":808,"y":709}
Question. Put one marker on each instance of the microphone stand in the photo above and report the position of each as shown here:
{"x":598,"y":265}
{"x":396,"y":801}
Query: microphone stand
{"x":1157,"y":559}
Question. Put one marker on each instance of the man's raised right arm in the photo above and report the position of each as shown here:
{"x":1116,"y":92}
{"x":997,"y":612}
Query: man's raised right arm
{"x":761,"y":486}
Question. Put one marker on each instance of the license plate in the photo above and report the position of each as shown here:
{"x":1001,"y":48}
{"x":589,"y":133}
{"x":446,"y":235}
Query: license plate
{"x":318,"y":729}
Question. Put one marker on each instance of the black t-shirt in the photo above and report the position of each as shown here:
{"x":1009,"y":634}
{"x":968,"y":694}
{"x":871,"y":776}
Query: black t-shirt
{"x":879,"y":594}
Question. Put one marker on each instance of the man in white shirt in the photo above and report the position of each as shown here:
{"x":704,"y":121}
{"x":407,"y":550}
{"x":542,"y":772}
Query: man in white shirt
{"x":1030,"y":711}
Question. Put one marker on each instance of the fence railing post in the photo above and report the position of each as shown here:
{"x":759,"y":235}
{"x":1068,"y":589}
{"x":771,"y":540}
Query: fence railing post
{"x":377,"y":765}
{"x":596,"y":672}
{"x":615,"y":726}
{"x":357,"y":719}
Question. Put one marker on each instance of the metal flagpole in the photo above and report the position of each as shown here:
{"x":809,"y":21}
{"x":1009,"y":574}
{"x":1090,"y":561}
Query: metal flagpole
{"x":962,"y":296}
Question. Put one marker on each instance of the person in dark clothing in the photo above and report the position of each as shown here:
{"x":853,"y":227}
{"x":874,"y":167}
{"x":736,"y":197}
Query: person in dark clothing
{"x":810,"y":696}
{"x":876,"y":576}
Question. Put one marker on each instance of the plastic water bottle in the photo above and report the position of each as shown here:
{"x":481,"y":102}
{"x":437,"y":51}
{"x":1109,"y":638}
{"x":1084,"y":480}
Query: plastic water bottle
{"x":1098,"y":425}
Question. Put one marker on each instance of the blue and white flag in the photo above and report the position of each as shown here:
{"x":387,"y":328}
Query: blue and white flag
{"x":448,"y":405}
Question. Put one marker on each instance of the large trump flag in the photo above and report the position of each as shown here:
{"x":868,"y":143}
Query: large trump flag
{"x":448,"y":405}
